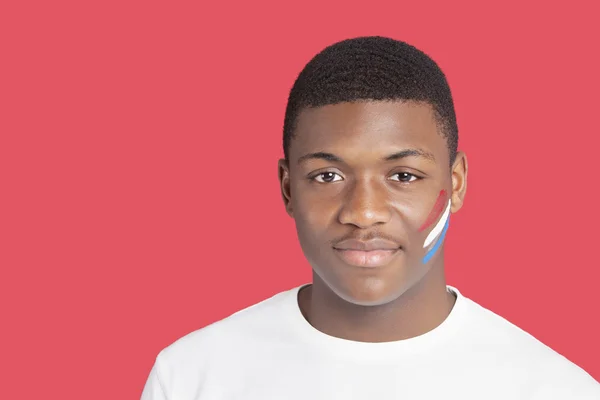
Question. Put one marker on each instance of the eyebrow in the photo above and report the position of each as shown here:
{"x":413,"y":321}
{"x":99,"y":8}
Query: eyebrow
{"x":320,"y":155}
{"x":392,"y":157}
{"x":411,"y":153}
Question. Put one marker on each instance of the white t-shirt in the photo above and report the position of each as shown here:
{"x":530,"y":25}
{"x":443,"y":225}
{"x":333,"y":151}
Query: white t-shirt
{"x":270,"y":351}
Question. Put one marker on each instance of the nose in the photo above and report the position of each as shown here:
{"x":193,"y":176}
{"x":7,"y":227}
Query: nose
{"x":365,"y":204}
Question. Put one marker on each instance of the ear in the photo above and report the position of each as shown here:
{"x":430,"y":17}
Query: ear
{"x":460,"y":170}
{"x":284,"y":182}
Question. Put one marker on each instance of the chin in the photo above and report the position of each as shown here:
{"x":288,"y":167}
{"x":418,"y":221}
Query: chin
{"x":368,"y":291}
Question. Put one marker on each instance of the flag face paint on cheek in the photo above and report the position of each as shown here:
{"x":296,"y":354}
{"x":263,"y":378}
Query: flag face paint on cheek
{"x":440,"y":239}
{"x":438,"y":228}
{"x":436,"y":236}
{"x":436,"y":211}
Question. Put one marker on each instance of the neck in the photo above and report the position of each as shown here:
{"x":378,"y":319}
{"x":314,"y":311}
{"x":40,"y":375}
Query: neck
{"x":418,"y":310}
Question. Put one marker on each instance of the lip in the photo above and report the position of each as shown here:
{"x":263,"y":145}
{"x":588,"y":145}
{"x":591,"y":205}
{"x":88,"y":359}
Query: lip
{"x":372,"y":253}
{"x":366,"y":245}
{"x":372,"y":258}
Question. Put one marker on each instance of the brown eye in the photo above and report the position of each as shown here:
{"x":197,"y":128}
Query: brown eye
{"x":327,"y":177}
{"x":405,"y":177}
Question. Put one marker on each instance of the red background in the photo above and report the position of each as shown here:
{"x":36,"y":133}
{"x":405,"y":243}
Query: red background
{"x":139,"y":143}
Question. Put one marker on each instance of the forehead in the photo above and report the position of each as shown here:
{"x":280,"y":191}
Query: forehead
{"x":377,"y":127}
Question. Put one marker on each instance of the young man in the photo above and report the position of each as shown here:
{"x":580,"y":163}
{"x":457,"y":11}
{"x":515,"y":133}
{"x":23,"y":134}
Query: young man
{"x":371,"y":176}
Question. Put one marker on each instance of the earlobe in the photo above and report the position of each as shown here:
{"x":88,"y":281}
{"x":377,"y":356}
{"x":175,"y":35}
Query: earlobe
{"x":284,"y":184}
{"x":460,"y":171}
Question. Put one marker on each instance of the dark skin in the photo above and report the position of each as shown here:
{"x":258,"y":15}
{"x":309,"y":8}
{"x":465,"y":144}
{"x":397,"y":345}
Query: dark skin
{"x":371,"y":170}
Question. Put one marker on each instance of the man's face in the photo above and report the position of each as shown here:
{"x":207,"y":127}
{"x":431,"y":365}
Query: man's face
{"x":366,"y":183}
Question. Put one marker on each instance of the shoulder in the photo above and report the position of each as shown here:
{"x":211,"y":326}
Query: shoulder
{"x":225,"y":339}
{"x":549,"y":374}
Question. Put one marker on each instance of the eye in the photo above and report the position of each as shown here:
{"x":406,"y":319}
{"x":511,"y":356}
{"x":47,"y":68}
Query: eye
{"x":405,"y":177}
{"x":327,"y":177}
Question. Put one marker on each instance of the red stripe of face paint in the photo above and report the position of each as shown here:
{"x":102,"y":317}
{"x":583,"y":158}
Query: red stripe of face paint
{"x":437,"y":210}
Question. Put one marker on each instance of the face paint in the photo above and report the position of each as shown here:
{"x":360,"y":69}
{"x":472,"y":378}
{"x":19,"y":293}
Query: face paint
{"x":435,"y":238}
{"x":439,"y":227}
{"x":438,"y":243}
{"x":437,"y":210}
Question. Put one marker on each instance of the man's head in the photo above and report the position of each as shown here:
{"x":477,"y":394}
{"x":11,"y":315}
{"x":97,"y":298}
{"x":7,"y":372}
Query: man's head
{"x":371,"y":168}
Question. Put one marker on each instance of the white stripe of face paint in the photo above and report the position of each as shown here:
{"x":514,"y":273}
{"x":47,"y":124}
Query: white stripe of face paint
{"x":439,"y":227}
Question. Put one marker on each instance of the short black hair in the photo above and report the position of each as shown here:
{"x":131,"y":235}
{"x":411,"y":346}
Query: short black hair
{"x":372,"y":68}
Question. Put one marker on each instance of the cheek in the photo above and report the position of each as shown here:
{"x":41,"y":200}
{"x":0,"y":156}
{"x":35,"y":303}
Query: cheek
{"x":435,"y":227}
{"x":312,"y":226}
{"x":419,"y":215}
{"x":314,"y":213}
{"x":435,"y":212}
{"x":312,"y":236}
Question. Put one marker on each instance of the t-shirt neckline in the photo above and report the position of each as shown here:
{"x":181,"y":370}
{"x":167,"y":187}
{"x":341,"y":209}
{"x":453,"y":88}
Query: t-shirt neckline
{"x":380,"y":350}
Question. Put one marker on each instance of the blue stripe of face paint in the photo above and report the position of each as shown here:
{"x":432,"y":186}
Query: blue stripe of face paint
{"x":437,"y":244}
